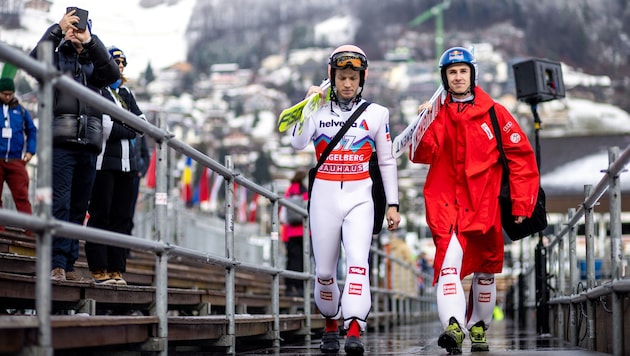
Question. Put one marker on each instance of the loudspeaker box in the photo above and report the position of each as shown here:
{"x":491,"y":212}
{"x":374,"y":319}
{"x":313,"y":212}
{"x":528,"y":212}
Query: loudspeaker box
{"x":538,"y":80}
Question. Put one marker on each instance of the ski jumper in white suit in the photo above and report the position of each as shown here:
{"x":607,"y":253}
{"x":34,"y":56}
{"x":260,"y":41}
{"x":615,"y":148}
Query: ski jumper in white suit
{"x":341,"y":207}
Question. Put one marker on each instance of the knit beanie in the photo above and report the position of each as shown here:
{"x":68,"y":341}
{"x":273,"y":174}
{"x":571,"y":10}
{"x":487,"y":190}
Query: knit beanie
{"x":6,"y":84}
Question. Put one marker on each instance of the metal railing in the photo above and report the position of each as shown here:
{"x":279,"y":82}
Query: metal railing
{"x":46,"y":226}
{"x":573,"y":298}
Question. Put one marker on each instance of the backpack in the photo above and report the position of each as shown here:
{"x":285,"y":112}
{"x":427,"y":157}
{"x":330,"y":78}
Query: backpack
{"x":294,"y":218}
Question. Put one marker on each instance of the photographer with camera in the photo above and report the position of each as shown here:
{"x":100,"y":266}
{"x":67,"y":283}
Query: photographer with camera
{"x":77,"y":128}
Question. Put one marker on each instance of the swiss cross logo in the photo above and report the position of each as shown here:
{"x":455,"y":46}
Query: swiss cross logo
{"x":485,"y":281}
{"x":355,"y":288}
{"x":450,"y":289}
{"x":484,"y":298}
{"x":325,"y":296}
{"x":448,"y":271}
{"x":357,"y":270}
{"x":515,"y":137}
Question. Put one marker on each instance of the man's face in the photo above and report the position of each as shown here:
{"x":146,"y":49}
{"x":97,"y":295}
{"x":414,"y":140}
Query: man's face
{"x":6,"y":96}
{"x":458,"y":78}
{"x":347,"y":83}
{"x":71,"y":36}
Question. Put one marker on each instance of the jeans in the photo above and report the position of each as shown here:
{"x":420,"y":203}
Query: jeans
{"x":73,"y":178}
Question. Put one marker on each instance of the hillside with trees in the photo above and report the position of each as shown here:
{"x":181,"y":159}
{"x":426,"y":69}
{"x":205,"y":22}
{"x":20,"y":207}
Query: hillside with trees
{"x":591,"y":35}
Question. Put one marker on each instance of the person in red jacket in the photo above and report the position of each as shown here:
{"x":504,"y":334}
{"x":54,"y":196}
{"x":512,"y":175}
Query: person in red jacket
{"x":461,"y":196}
{"x":292,"y":234}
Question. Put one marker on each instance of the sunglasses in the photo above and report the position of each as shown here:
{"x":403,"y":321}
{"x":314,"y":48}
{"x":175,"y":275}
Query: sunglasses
{"x":119,"y":61}
{"x":343,"y":60}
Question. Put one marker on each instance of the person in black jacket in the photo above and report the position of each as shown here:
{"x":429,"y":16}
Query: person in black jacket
{"x":111,"y":205}
{"x":77,"y":131}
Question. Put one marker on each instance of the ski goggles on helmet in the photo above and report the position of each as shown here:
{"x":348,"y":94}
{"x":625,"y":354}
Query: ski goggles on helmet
{"x":353,"y":60}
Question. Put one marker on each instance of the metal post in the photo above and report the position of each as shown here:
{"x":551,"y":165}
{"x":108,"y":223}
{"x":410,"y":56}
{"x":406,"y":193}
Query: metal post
{"x":560,"y":322}
{"x":573,"y":280}
{"x":376,"y":296}
{"x":44,"y":208}
{"x":161,"y":234}
{"x":229,"y":254}
{"x":589,"y":230}
{"x":308,"y":283}
{"x":614,"y":190}
{"x":275,"y":289}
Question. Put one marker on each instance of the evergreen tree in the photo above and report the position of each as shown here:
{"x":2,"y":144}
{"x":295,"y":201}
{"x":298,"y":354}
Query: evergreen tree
{"x":262,"y":175}
{"x":148,"y":74}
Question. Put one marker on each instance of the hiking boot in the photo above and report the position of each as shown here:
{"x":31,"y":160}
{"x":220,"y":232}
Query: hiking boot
{"x":58,"y":274}
{"x":117,"y":277}
{"x":353,"y":346}
{"x":330,"y":342}
{"x":73,"y":276}
{"x":478,"y":337}
{"x":451,"y":339}
{"x":102,"y":277}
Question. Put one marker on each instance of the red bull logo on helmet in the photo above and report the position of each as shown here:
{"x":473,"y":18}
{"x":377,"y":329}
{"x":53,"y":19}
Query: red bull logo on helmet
{"x":456,"y":55}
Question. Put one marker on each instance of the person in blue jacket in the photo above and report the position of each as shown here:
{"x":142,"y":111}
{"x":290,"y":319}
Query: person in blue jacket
{"x":17,"y":146}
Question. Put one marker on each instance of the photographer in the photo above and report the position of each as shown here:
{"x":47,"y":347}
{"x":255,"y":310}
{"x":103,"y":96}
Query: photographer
{"x":77,"y":128}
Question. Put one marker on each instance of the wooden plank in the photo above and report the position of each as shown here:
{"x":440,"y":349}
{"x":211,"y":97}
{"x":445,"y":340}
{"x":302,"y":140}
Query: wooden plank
{"x":198,"y":284}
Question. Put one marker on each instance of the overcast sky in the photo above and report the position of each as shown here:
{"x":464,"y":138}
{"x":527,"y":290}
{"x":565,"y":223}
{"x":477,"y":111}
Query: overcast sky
{"x":155,"y":34}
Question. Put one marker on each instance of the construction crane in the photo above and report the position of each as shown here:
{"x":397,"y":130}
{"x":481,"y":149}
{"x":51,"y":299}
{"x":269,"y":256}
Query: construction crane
{"x":435,"y":11}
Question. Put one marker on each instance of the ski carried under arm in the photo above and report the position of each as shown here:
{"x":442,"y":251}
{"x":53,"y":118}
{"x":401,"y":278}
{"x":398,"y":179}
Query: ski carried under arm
{"x":413,"y":133}
{"x":304,"y":109}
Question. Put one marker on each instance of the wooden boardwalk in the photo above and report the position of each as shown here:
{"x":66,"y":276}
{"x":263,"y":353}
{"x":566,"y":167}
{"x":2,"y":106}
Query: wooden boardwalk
{"x":123,"y":317}
{"x":91,"y":319}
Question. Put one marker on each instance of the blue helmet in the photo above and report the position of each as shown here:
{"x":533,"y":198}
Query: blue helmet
{"x":458,"y":55}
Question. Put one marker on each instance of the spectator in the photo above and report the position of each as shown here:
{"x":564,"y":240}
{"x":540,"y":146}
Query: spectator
{"x":292,"y":233}
{"x":17,"y":146}
{"x":141,"y":152}
{"x":342,"y":208}
{"x":77,"y":131}
{"x":461,"y":191}
{"x":425,"y":269}
{"x":112,"y":201}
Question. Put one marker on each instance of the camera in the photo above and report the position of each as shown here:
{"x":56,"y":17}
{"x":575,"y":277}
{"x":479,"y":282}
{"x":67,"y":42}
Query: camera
{"x":83,"y":17}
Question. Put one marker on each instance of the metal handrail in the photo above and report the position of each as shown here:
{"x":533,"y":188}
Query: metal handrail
{"x":592,"y":199}
{"x":47,"y":226}
{"x":616,"y":287}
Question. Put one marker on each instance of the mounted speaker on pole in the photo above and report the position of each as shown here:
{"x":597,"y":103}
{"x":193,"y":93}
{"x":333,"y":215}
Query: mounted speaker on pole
{"x":538,"y":80}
